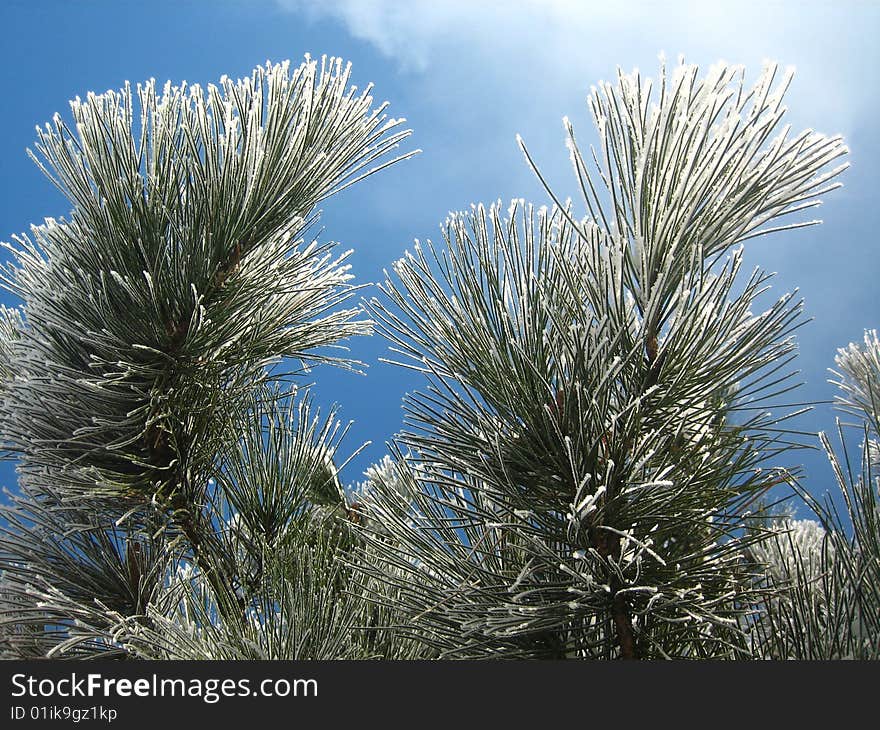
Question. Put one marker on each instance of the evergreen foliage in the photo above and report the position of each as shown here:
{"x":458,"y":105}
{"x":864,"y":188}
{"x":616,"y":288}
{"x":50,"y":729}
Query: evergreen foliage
{"x":604,"y":412}
{"x":139,"y":396}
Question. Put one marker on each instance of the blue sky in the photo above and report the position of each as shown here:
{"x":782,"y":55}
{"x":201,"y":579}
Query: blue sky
{"x":469,"y":76}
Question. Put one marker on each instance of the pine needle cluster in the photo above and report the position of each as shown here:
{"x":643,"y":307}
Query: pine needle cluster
{"x":605,"y":408}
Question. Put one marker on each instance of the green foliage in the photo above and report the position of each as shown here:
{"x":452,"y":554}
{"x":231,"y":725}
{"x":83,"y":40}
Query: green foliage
{"x":152,"y":323}
{"x":584,"y":456}
{"x":582,"y":473}
{"x":823,"y":592}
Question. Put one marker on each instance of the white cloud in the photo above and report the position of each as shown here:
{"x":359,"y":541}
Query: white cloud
{"x":415,"y":32}
{"x":407,"y":32}
{"x":565,"y":43}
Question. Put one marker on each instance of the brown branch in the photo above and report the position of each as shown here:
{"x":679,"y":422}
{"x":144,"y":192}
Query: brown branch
{"x":608,"y":546}
{"x":623,"y":625}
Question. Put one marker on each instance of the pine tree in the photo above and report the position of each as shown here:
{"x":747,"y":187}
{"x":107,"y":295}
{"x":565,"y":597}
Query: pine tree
{"x":823,"y":581}
{"x":175,"y":497}
{"x":584,"y":473}
{"x":603,"y":393}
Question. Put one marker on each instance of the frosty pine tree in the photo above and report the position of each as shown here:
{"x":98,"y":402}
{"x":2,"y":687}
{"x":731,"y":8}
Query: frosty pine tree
{"x":168,"y":483}
{"x":582,"y":474}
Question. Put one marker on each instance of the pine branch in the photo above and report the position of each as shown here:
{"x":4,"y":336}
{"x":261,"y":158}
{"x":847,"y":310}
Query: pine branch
{"x":153,"y":314}
{"x":585,"y":386}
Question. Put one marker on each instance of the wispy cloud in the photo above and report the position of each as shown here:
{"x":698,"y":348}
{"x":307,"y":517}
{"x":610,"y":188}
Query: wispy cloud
{"x":408,"y":32}
{"x":561,"y":42}
{"x":417,"y":32}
